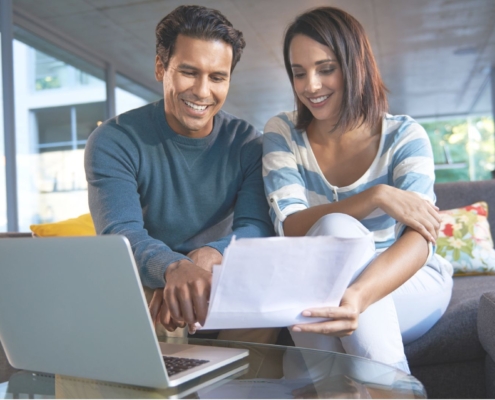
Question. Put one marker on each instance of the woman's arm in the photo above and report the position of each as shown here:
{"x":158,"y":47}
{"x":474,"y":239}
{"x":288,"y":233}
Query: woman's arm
{"x":413,"y":170}
{"x":405,"y":207}
{"x":287,"y":192}
{"x":386,"y":273}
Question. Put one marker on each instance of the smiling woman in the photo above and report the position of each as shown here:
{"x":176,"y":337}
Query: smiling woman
{"x":341,"y":166}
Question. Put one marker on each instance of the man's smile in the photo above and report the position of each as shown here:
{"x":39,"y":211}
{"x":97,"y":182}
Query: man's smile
{"x":196,"y":107}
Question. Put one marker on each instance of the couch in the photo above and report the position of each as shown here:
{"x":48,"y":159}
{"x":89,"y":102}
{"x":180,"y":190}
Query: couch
{"x":456,"y":358}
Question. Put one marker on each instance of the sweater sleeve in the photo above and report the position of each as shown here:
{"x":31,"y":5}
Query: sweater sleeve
{"x":413,"y":167}
{"x":112,"y":161}
{"x":284,"y":186}
{"x":251,"y":218}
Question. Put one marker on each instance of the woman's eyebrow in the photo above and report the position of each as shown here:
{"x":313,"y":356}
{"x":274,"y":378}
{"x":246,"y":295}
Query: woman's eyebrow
{"x":316,"y":63}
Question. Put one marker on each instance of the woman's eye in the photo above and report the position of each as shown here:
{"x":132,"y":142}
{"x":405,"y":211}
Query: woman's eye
{"x":327,"y":71}
{"x":298,"y":75}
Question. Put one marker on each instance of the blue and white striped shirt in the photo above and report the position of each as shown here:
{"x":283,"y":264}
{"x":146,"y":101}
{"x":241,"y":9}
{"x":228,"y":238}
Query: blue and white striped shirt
{"x":294,"y":182}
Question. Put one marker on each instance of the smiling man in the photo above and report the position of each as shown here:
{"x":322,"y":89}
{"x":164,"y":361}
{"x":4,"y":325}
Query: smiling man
{"x":180,"y":177}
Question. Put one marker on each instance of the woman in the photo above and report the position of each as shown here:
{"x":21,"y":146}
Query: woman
{"x":340,"y":165}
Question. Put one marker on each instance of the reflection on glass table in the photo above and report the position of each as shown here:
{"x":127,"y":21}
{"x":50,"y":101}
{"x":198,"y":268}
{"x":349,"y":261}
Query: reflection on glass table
{"x":270,"y":371}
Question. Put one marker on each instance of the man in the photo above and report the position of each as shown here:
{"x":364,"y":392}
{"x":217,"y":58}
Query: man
{"x":180,"y":177}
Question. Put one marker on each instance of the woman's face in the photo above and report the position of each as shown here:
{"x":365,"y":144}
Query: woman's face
{"x":318,"y":80}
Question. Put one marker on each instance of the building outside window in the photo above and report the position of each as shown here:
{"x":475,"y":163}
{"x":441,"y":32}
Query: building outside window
{"x":59,"y":100}
{"x":57,"y":106}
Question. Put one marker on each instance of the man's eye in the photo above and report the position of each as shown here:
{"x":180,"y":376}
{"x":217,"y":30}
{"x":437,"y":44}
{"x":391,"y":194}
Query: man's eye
{"x":217,"y":79}
{"x":188,"y":73}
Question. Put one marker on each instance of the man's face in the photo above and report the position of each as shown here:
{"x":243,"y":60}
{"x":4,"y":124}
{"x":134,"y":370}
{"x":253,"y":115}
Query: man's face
{"x":195,"y":84}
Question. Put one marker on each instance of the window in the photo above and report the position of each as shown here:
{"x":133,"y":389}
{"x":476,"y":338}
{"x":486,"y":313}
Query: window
{"x":3,"y":191}
{"x":464,"y":147}
{"x":129,"y":95}
{"x":60,"y":99}
{"x":51,"y":73}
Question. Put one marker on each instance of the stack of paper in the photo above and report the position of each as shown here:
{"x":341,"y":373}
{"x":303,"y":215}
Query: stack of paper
{"x":268,"y":282}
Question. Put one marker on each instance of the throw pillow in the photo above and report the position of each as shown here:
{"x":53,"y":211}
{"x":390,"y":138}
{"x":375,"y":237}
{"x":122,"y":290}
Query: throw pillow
{"x":80,"y":226}
{"x":465,"y":240}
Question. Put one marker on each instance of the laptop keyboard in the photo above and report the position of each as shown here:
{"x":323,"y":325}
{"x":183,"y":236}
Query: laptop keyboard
{"x":174,"y":365}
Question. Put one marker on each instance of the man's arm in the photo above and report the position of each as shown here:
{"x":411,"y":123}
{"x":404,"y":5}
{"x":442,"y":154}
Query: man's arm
{"x":251,"y":217}
{"x":112,"y":161}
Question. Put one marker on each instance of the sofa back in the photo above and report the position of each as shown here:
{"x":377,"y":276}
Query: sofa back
{"x":460,"y":194}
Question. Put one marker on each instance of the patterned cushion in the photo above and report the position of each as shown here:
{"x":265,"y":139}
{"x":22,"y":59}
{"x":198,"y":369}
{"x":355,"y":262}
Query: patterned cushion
{"x":465,"y":240}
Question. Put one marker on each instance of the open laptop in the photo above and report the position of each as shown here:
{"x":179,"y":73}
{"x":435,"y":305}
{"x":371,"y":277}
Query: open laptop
{"x":75,"y":306}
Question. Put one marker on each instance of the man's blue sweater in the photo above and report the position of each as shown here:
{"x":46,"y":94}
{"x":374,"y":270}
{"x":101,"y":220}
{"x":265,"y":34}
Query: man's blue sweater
{"x":169,"y":194}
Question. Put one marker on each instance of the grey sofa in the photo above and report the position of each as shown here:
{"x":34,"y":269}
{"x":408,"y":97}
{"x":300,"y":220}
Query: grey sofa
{"x":455,"y":359}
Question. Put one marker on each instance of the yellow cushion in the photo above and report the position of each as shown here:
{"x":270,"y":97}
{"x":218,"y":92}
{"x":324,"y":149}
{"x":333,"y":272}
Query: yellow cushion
{"x":80,"y":226}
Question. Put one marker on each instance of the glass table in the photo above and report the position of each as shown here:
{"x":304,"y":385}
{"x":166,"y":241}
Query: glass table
{"x":270,"y":371}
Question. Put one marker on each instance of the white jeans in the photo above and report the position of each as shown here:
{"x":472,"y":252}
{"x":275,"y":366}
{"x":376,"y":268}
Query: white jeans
{"x":397,"y":319}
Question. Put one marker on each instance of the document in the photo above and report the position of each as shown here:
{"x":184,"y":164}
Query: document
{"x":268,"y":282}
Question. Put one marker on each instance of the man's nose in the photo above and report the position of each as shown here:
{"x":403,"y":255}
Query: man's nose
{"x":201,"y":88}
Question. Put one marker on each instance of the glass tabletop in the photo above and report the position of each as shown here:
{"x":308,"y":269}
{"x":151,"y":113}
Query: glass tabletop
{"x":270,"y":371}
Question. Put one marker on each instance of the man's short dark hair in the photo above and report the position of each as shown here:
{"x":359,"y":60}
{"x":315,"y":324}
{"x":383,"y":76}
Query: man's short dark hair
{"x":200,"y":23}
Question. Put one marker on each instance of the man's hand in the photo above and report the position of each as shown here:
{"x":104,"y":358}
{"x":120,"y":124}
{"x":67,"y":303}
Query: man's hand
{"x":160,"y":313}
{"x":187,"y":291}
{"x":206,"y":257}
{"x":185,"y":297}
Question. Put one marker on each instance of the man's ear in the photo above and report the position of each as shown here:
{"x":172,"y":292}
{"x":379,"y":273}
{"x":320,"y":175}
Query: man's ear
{"x":159,"y":69}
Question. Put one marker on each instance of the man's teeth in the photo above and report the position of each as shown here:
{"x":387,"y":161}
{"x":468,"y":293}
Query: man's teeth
{"x":194,"y":106}
{"x":319,"y":99}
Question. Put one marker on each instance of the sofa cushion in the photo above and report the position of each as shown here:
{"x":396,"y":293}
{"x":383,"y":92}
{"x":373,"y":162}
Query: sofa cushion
{"x":80,"y":226}
{"x":460,"y":194}
{"x":486,"y":322}
{"x":455,"y":337}
{"x":465,"y":240}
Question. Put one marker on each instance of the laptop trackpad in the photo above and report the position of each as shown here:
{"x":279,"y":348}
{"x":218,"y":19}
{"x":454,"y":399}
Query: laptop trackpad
{"x":172,"y":348}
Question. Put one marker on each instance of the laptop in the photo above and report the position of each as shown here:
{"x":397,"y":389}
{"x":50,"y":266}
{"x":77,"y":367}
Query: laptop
{"x":75,"y":306}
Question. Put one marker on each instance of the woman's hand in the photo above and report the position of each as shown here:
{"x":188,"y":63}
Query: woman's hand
{"x":343,"y":320}
{"x":410,"y":209}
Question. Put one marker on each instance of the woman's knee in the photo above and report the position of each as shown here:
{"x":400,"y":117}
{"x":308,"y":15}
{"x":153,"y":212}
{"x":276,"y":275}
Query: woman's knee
{"x":339,"y":225}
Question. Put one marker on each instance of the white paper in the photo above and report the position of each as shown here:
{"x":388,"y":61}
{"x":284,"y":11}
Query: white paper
{"x":268,"y":282}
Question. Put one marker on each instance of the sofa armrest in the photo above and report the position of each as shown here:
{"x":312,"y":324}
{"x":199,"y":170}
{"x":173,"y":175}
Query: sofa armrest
{"x":486,"y":333}
{"x":4,"y":235}
{"x":486,"y":323}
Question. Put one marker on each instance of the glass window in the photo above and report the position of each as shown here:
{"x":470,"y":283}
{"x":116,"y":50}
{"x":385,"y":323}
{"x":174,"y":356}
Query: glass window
{"x":129,"y":94}
{"x":3,"y":192}
{"x":52,"y":73}
{"x":60,"y":99}
{"x":464,"y":147}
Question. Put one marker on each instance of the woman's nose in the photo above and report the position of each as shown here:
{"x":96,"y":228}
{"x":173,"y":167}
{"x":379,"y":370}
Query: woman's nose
{"x":313,"y":84}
